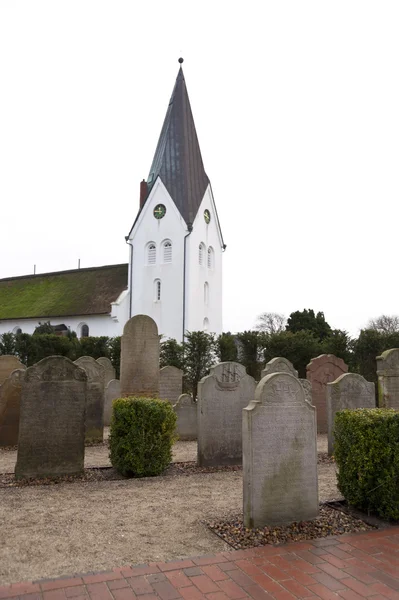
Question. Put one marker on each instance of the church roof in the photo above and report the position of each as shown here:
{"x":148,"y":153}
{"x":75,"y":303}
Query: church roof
{"x":63,"y":293}
{"x":177,"y":160}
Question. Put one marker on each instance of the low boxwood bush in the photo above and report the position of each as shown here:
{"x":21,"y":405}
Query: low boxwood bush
{"x":367,"y":454}
{"x":141,"y":436}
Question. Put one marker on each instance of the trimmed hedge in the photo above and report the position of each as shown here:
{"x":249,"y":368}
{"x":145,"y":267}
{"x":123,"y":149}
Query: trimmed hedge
{"x":367,"y":454}
{"x":141,"y":436}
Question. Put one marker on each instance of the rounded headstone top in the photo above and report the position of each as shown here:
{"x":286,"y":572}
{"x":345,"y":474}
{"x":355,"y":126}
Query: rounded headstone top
{"x":279,"y":388}
{"x":105,"y":362}
{"x":324,"y":359}
{"x":184,"y":400}
{"x":279,"y":364}
{"x":55,"y":368}
{"x":350,"y":382}
{"x":139,"y":325}
{"x":171,"y":368}
{"x":391,"y":354}
{"x":94,"y":370}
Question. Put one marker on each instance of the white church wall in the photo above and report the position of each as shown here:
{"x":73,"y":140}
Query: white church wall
{"x":167,"y":312}
{"x":197,"y":310}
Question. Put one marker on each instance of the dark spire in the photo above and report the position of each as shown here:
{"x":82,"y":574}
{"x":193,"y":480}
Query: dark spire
{"x":177,"y":160}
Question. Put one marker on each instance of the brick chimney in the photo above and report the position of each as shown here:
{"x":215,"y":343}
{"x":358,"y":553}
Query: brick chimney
{"x":143,"y":192}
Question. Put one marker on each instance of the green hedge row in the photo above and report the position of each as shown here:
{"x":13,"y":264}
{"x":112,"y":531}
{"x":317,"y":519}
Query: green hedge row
{"x":367,"y":454}
{"x":141,"y":436}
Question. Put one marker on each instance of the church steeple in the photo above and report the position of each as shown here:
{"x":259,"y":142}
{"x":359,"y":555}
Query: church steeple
{"x":177,"y":160}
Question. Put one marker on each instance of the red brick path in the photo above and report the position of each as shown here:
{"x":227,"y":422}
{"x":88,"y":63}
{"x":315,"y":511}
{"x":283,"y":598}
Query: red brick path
{"x":349,"y":567}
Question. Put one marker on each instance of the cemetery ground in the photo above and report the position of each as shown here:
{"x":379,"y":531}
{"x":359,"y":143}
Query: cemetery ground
{"x":53,"y":530}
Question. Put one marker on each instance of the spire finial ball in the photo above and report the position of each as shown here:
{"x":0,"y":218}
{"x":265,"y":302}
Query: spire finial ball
{"x":181,"y":60}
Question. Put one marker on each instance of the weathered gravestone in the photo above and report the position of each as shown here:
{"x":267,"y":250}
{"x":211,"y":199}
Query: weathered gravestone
{"x":221,"y":397}
{"x":10,"y":400}
{"x":307,"y":388}
{"x":322,"y":370}
{"x":388,"y":379}
{"x":95,"y":398}
{"x":109,"y":371}
{"x":348,"y":391}
{"x":140,"y":357}
{"x":52,"y":419}
{"x":8,"y":364}
{"x":279,"y":454}
{"x":186,"y":411}
{"x":279,"y":365}
{"x":170,"y":383}
{"x":112,"y":392}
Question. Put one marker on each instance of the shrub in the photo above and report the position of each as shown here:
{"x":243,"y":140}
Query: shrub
{"x":367,"y":455}
{"x":142,"y":435}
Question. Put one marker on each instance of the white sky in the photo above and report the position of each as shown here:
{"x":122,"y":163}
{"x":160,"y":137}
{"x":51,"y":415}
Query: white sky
{"x":296,"y":105}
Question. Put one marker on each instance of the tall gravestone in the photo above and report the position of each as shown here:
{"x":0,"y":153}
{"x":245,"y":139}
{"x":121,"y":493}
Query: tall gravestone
{"x":170,"y":383}
{"x":186,"y":411}
{"x":10,"y":401}
{"x":221,"y":397}
{"x":348,"y":391}
{"x":109,"y":371}
{"x":8,"y":364}
{"x":112,"y":392}
{"x":279,"y":365}
{"x":140,"y":357}
{"x":279,"y":454}
{"x":388,"y":379}
{"x":322,"y":370}
{"x":52,"y":419}
{"x":95,"y":398}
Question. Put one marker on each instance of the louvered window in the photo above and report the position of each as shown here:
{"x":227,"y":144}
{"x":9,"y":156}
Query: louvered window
{"x":210,"y":258}
{"x":157,"y":290}
{"x":151,"y":254}
{"x":201,"y":252}
{"x":206,"y":293}
{"x":167,"y":252}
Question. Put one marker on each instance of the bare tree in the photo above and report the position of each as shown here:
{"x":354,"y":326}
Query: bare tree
{"x":270,"y":322}
{"x":385,"y":324}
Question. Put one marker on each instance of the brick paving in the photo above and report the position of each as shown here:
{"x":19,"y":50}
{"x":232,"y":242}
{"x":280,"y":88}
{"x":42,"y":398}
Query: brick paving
{"x":350,"y":567}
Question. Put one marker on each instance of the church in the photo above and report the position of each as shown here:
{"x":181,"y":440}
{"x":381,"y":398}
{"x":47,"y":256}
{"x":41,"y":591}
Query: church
{"x":174,"y":273}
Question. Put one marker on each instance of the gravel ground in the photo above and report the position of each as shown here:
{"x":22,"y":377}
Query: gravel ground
{"x":50,"y":531}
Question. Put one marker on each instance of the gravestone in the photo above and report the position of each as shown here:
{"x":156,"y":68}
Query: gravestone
{"x":52,"y":419}
{"x":322,"y":370}
{"x":221,"y":397}
{"x":348,"y":391}
{"x":170,"y":383}
{"x":279,"y":454}
{"x":140,"y":358}
{"x":307,"y":388}
{"x":186,"y":411}
{"x":95,"y":398}
{"x":10,"y":401}
{"x":112,"y":392}
{"x":108,"y":368}
{"x":279,"y":365}
{"x":388,"y":379}
{"x":8,"y":364}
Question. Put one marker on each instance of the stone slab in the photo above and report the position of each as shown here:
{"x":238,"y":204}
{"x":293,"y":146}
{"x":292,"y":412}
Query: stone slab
{"x":109,"y":371}
{"x":170,"y":383}
{"x":187,"y":418}
{"x":95,"y":398}
{"x":10,"y":401}
{"x":112,"y":392}
{"x":140,"y":357}
{"x":279,"y":365}
{"x":8,"y":364}
{"x":388,"y":379}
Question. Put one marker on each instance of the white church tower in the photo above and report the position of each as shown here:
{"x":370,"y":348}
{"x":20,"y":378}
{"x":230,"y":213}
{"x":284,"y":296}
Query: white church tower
{"x":175,"y":266}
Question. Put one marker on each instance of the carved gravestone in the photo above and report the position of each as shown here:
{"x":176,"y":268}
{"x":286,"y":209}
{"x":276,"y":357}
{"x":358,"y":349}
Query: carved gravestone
{"x":112,"y":392}
{"x":221,"y":397}
{"x":10,"y":400}
{"x":307,"y":388}
{"x":170,"y":383}
{"x":108,"y":368}
{"x":320,"y":371}
{"x":8,"y":364}
{"x":95,"y":398}
{"x":52,"y":419}
{"x":140,"y":357}
{"x":348,"y":391}
{"x":186,"y":411}
{"x":279,"y":365}
{"x":279,"y":454}
{"x":388,"y":379}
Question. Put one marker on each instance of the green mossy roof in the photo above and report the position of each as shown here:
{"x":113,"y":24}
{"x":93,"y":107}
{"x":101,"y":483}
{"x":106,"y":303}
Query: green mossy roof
{"x":66,"y":293}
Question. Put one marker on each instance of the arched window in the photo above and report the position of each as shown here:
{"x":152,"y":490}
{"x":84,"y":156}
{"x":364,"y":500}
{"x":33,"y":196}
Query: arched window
{"x":84,"y":330}
{"x":206,"y":293}
{"x":151,"y":254}
{"x":167,"y":251}
{"x":201,"y":252}
{"x":17,"y":330}
{"x":211,"y":257}
{"x":157,"y":290}
{"x":206,"y":324}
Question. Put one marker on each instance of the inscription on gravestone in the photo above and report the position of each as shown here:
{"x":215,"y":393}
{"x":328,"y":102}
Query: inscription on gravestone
{"x":52,"y":419}
{"x":140,"y":357}
{"x":322,"y":370}
{"x":279,"y":365}
{"x":170,"y":383}
{"x":95,"y":398}
{"x":388,"y":379}
{"x":279,"y":454}
{"x":109,"y":371}
{"x":186,"y":411}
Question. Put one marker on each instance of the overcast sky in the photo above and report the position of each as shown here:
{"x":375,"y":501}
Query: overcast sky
{"x":296,"y":105}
